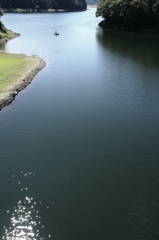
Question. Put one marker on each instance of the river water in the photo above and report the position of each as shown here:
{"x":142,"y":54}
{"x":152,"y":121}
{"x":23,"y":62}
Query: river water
{"x":79,"y":147}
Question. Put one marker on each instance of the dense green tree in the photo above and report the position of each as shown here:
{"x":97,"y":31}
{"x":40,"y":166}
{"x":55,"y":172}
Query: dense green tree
{"x":134,"y":11}
{"x":44,"y":4}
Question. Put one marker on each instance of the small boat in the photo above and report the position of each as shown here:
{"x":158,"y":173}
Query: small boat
{"x":56,"y":33}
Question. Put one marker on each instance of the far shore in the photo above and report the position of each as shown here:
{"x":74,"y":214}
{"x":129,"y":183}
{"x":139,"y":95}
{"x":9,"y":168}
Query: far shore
{"x":30,"y":10}
{"x":34,"y":65}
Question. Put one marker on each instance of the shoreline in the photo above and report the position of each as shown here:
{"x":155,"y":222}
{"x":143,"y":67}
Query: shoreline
{"x":31,"y":10}
{"x":34,"y":66}
{"x":9,"y":37}
{"x":114,"y":25}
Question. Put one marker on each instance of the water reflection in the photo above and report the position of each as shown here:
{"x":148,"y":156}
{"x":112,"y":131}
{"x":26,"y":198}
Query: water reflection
{"x":140,"y":47}
{"x":25,"y":219}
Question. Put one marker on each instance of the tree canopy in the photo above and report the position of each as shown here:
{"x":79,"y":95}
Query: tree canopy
{"x":134,"y":11}
{"x":44,"y":4}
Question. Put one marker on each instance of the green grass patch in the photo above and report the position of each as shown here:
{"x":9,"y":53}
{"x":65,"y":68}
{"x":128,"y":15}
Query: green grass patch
{"x":11,"y":69}
{"x":8,"y":34}
{"x":2,"y":35}
{"x":4,"y":32}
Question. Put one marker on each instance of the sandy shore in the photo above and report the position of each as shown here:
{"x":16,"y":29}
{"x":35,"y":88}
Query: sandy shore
{"x":34,"y":65}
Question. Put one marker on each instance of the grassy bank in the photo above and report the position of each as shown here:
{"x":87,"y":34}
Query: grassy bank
{"x":6,"y":34}
{"x":16,"y":73}
{"x":12,"y":67}
{"x":16,"y":70}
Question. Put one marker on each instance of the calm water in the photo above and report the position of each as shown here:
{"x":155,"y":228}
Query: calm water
{"x":79,"y":147}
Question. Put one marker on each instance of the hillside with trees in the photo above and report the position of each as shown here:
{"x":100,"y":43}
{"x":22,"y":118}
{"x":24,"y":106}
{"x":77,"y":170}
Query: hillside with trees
{"x":44,"y":4}
{"x":129,"y":14}
{"x":6,"y":34}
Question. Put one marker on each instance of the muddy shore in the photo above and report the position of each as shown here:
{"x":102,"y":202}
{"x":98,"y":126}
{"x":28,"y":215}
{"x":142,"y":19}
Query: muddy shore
{"x":35,"y":64}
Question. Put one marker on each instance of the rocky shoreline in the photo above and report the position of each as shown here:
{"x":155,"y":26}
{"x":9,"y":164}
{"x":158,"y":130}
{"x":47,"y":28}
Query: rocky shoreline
{"x":35,"y":64}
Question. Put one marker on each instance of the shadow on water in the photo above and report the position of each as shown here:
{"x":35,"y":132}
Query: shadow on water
{"x":135,"y":66}
{"x":140,"y":47}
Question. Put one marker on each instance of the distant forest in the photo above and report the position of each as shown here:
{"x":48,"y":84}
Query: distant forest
{"x":44,"y":4}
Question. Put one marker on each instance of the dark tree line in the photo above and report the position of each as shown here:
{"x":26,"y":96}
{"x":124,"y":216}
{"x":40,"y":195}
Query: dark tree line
{"x":44,"y":4}
{"x":1,"y":13}
{"x":130,"y":11}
